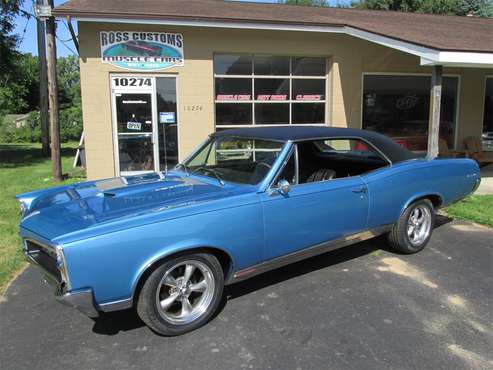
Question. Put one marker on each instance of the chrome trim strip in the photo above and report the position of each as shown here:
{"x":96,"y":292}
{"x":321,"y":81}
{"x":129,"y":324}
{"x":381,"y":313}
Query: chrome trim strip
{"x":81,"y":300}
{"x":60,"y":262}
{"x":292,"y":150}
{"x":306,"y":253}
{"x":122,"y":304}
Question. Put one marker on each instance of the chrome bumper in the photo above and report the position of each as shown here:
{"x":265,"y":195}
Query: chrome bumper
{"x":81,"y":300}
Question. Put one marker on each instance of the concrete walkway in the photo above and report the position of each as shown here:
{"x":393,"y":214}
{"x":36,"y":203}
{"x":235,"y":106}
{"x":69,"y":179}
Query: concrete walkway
{"x":359,"y":307}
{"x":486,"y":186}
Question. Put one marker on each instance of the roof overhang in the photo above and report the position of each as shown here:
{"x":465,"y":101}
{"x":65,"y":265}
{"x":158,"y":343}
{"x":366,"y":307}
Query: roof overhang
{"x":428,"y":56}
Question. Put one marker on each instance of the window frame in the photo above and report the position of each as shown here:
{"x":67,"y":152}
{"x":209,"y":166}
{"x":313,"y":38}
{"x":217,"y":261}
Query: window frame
{"x":294,"y":149}
{"x":483,"y":116}
{"x":417,"y":74}
{"x":253,"y":101}
{"x":485,"y":85}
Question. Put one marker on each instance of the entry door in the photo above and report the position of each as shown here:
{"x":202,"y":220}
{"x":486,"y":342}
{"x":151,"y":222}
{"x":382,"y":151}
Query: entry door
{"x":145,"y":123}
{"x":135,"y":132}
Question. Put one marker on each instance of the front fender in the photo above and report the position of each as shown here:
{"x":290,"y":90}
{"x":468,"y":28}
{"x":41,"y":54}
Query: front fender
{"x":178,"y":249}
{"x":112,"y":264}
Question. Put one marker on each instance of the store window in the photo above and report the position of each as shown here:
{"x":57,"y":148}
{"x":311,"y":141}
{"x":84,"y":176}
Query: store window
{"x":269,"y":90}
{"x":167,"y":122}
{"x":488,"y":116}
{"x":398,"y":106}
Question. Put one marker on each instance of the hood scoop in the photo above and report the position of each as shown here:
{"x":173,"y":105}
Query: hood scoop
{"x":146,"y":188}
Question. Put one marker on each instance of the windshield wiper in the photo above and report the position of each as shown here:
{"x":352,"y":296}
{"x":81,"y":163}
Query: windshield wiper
{"x":211,"y":170}
{"x":185,"y":168}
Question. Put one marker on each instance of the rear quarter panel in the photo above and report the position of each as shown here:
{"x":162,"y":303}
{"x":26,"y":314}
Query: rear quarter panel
{"x":112,"y":263}
{"x":393,"y":188}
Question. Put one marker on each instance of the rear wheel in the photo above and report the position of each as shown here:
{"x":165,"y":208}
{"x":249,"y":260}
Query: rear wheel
{"x":413,"y":230}
{"x":182,"y":294}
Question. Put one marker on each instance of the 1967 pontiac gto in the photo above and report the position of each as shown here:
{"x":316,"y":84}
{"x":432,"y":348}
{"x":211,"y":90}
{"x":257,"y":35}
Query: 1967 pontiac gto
{"x":246,"y":201}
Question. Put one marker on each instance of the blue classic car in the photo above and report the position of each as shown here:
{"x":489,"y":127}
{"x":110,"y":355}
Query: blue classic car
{"x":246,"y":201}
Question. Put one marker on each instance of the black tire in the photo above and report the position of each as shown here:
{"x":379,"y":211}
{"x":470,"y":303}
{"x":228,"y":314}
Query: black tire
{"x":321,"y":175}
{"x":147,"y":303}
{"x":398,"y":237}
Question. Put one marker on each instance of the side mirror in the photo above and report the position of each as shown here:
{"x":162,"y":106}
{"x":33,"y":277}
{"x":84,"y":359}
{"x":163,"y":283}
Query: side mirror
{"x":283,"y":187}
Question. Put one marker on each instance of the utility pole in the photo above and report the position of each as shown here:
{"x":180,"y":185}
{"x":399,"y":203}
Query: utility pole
{"x":43,"y":85}
{"x":53,"y":93}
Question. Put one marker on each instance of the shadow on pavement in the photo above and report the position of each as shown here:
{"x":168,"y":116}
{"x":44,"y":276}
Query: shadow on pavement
{"x":114,"y":322}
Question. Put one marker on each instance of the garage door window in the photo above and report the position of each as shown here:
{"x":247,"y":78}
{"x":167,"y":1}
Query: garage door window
{"x":269,"y":90}
{"x":399,"y":105}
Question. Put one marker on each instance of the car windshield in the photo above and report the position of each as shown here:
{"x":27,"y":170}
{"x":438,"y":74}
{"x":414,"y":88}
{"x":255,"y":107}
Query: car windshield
{"x":234,"y":159}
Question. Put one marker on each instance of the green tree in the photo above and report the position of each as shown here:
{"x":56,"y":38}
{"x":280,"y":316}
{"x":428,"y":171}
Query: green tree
{"x":479,"y":8}
{"x":10,"y":9}
{"x":19,"y":85}
{"x":68,"y":81}
{"x":482,"y":8}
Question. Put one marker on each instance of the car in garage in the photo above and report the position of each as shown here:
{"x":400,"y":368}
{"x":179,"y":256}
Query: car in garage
{"x":247,"y":201}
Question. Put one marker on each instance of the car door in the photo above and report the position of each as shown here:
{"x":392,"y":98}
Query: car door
{"x":312,"y":213}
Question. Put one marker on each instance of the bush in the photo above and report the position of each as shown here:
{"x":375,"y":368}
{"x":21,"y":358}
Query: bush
{"x":70,"y":127}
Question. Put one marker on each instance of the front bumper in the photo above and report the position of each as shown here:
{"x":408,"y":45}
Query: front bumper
{"x":81,"y":300}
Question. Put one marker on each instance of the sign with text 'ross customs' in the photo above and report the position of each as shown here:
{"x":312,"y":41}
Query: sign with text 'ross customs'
{"x":142,"y":51}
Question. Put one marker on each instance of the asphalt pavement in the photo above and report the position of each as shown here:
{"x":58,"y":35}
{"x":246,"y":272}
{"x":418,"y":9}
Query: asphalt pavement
{"x":359,"y":307}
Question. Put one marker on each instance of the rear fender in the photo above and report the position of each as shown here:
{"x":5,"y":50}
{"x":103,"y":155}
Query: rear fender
{"x":423,"y":195}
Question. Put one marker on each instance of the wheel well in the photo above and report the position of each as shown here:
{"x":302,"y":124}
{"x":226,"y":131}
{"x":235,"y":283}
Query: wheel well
{"x":223,"y":258}
{"x":436,"y":200}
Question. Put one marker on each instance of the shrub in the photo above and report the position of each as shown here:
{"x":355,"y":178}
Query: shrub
{"x":70,"y":127}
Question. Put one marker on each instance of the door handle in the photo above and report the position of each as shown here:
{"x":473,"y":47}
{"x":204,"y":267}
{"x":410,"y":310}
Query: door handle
{"x":361,"y":189}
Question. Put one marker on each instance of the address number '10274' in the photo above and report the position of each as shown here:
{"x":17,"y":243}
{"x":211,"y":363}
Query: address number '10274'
{"x":132,"y":82}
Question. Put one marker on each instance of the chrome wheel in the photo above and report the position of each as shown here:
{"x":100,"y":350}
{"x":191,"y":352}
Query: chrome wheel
{"x":185,"y":292}
{"x":419,"y":225}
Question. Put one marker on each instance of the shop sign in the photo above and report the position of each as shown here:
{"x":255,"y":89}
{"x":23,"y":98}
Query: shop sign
{"x":142,"y":51}
{"x":167,"y":117}
{"x":134,"y":126}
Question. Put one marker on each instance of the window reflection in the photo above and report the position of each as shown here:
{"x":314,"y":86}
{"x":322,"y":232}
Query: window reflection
{"x":398,"y":106}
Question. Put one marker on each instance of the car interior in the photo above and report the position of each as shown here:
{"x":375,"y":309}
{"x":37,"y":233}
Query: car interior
{"x":325,"y":160}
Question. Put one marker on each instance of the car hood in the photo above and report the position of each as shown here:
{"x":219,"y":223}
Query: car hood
{"x":64,"y":210}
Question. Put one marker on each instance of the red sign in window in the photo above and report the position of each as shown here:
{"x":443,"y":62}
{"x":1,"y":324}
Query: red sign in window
{"x":311,"y":97}
{"x":272,"y":97}
{"x":233,"y":97}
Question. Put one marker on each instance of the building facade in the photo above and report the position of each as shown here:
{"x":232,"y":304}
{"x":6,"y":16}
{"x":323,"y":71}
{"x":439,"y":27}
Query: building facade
{"x":153,"y":90}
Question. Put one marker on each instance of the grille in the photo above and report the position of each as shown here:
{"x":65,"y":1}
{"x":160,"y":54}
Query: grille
{"x":45,"y":257}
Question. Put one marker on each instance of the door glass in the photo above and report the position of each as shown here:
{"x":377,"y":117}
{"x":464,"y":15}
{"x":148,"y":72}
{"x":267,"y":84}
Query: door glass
{"x":167,"y":122}
{"x":134,"y":130}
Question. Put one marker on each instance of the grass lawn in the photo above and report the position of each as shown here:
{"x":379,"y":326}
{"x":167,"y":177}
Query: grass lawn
{"x":476,"y":208}
{"x":22,"y":168}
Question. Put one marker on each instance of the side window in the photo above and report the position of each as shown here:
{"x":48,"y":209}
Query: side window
{"x":289,"y":171}
{"x":323,"y":160}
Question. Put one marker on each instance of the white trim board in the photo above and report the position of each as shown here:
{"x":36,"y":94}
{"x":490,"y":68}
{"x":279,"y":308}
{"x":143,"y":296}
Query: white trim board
{"x":428,"y":56}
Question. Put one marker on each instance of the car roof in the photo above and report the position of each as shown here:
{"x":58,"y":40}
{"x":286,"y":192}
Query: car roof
{"x":390,"y":149}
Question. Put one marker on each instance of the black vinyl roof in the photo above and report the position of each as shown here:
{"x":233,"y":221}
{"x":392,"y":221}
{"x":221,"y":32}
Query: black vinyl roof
{"x":393,"y":151}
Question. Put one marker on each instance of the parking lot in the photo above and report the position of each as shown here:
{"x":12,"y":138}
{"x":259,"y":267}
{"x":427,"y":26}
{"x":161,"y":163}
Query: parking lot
{"x":360,"y":307}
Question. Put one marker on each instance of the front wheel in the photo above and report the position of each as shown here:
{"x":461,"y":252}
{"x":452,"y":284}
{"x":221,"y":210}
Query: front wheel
{"x":182,"y":294}
{"x":413,"y":230}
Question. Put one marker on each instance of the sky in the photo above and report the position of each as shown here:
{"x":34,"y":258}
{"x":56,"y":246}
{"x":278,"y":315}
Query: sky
{"x":64,"y":44}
